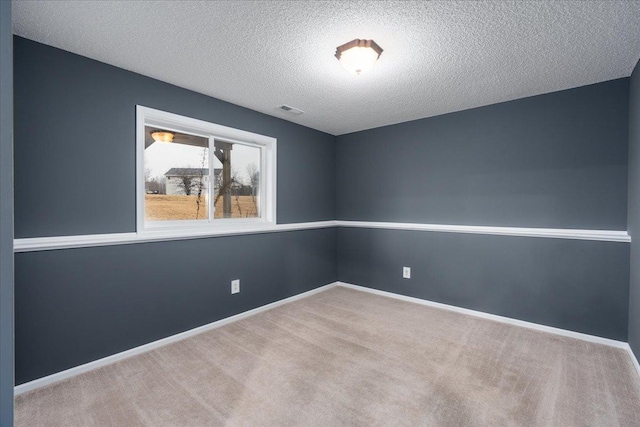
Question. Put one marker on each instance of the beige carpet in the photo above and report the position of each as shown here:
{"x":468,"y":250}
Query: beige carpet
{"x":349,"y":358}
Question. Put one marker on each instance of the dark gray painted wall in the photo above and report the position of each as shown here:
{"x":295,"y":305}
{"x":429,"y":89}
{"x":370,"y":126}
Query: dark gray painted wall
{"x":6,"y":216}
{"x":75,"y":306}
{"x":75,"y":145}
{"x":557,"y":160}
{"x":571,"y":284}
{"x":75,"y":174}
{"x":634,"y":210}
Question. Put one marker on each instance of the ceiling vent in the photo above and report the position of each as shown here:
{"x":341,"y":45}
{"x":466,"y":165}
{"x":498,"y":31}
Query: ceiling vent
{"x":290,"y":110}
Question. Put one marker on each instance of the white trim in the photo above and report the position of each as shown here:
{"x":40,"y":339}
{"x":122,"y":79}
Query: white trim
{"x":634,"y":359}
{"x":146,"y":116}
{"x":77,"y":370}
{"x":91,"y":240}
{"x":555,"y":233}
{"x":239,"y":228}
{"x":494,"y":317}
{"x":140,"y":184}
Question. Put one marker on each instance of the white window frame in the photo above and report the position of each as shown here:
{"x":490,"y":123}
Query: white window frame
{"x":146,"y":116}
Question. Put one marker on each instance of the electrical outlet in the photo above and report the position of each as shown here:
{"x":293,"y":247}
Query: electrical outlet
{"x":406,"y":272}
{"x":235,"y":286}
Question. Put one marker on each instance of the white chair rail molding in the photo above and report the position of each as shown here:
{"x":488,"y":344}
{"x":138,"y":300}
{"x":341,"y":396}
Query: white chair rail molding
{"x":67,"y":242}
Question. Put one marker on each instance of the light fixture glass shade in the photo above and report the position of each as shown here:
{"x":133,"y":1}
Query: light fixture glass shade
{"x":358,"y":56}
{"x":162,"y":136}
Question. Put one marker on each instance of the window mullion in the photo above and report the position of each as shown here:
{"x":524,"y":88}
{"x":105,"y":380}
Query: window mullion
{"x":212,"y":180}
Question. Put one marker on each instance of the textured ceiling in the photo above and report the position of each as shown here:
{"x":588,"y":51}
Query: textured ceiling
{"x":438,"y":57}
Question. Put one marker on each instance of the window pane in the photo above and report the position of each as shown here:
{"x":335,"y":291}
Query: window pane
{"x":176,"y":178}
{"x":236,"y":180}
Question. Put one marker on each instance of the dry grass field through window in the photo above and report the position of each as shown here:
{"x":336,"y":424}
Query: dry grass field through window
{"x":161,"y":207}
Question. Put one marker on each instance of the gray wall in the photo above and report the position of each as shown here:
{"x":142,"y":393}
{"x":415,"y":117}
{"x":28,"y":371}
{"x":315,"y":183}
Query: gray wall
{"x":634,"y":210}
{"x":75,"y":145}
{"x":557,"y":160}
{"x":75,"y":174}
{"x":6,"y":216}
{"x":577,"y":285}
{"x":75,"y":306}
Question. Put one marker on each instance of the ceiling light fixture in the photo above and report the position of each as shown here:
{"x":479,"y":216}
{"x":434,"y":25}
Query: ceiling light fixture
{"x":358,"y":56}
{"x":162,"y":136}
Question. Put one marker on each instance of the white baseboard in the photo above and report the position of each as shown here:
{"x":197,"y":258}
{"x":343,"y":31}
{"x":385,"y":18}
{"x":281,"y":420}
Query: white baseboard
{"x":502,"y":319}
{"x":77,"y":370}
{"x":59,"y":376}
{"x":634,"y":359}
{"x":494,"y":317}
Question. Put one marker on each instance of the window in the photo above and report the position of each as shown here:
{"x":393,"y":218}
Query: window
{"x":197,"y":176}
